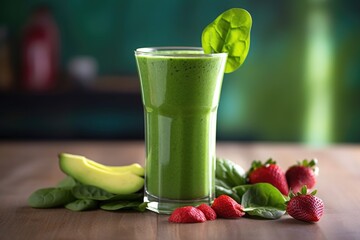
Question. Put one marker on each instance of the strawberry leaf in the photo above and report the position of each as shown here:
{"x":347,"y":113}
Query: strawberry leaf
{"x":255,"y":165}
{"x":313,"y":192}
{"x":270,"y":161}
{"x":310,"y":164}
{"x":303,"y":190}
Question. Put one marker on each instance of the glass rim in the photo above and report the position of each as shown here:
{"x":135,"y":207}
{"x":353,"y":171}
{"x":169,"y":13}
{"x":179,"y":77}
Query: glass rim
{"x":166,"y":51}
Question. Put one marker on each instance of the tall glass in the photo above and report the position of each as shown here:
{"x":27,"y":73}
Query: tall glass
{"x":180,"y":91}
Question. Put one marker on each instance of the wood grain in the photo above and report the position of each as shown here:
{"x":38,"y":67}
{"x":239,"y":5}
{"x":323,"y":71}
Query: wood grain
{"x":27,"y":166}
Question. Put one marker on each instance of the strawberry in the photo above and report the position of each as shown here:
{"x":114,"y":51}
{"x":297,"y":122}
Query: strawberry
{"x":304,"y":173}
{"x":269,"y":172}
{"x":188,"y":214}
{"x":209,"y":213}
{"x":305,"y":207}
{"x":226,"y":207}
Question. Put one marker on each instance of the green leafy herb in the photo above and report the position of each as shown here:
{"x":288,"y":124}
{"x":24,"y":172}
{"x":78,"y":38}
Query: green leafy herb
{"x":50,"y":198}
{"x":119,"y":205}
{"x":221,"y":183}
{"x":241,"y":190}
{"x":68,"y":182}
{"x":142,"y":207}
{"x":132,"y":196}
{"x":229,"y":33}
{"x":82,"y":205}
{"x":219,"y":190}
{"x":91,"y":192}
{"x":264,"y":200}
{"x":229,"y":174}
{"x":76,"y":196}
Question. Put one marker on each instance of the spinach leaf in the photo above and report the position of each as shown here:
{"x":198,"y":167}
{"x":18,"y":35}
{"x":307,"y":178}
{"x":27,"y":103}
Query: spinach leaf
{"x":264,"y":200}
{"x":229,"y":174}
{"x":79,"y":197}
{"x":91,"y":192}
{"x":230,"y":33}
{"x":241,"y":190}
{"x":132,"y":196}
{"x":82,"y":191}
{"x":121,"y":205}
{"x":68,"y":182}
{"x":82,"y":205}
{"x":142,"y":207}
{"x":221,"y":183}
{"x":50,"y":197}
{"x":265,"y":212}
{"x":219,"y":190}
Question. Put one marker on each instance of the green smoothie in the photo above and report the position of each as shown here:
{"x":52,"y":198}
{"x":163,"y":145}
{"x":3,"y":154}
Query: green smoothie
{"x":180,"y":93}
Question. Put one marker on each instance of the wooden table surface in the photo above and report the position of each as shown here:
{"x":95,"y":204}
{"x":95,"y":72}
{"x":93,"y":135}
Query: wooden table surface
{"x":27,"y":166}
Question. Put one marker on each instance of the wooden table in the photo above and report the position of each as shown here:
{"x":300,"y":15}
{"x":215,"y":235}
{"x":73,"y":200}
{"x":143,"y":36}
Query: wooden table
{"x":27,"y":166}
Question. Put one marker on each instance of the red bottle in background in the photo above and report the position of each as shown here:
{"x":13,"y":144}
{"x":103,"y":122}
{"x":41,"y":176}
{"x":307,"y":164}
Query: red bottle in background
{"x":40,"y":52}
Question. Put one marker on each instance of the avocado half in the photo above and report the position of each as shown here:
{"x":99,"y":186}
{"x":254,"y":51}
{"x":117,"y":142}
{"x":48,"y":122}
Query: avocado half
{"x":114,"y":179}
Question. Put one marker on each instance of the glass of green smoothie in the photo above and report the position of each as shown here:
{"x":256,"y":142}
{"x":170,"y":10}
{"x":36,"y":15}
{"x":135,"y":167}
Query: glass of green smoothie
{"x":180,"y":92}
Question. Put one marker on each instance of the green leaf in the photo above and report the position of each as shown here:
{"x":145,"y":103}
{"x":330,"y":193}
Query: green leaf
{"x":142,"y":207}
{"x":68,"y":182}
{"x":91,"y":192}
{"x":303,"y":190}
{"x":122,"y":205}
{"x":229,"y":174}
{"x":241,"y":189}
{"x":229,"y":33}
{"x":50,"y":197}
{"x":82,"y":205}
{"x":132,"y":196}
{"x":221,"y":183}
{"x":264,"y":200}
{"x":265,"y":212}
{"x":219,"y":190}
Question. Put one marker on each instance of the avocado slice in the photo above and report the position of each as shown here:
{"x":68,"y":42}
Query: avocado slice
{"x":134,"y":168}
{"x":86,"y":172}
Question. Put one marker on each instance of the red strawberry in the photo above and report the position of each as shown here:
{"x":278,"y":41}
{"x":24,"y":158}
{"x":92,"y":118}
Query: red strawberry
{"x":226,"y":207}
{"x":305,"y":207}
{"x":269,"y":172}
{"x":304,"y":173}
{"x":209,"y":213}
{"x":188,"y":214}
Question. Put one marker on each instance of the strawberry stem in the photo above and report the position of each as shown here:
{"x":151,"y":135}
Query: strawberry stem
{"x":313,"y":192}
{"x":258,"y":164}
{"x":303,"y":190}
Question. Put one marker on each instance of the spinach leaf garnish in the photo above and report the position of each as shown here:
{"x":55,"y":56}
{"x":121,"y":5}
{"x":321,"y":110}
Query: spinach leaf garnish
{"x":50,"y":198}
{"x":264,"y":200}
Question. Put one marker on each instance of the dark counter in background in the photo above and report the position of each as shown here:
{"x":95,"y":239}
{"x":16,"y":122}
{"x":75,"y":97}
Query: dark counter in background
{"x":71,"y":114}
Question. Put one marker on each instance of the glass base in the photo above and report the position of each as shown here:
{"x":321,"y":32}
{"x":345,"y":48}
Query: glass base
{"x":167,"y":206}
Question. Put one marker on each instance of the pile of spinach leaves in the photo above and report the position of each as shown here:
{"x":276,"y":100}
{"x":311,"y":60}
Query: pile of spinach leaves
{"x":76,"y":196}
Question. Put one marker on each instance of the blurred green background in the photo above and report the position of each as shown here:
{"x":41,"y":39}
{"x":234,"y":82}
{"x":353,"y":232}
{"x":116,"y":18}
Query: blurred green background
{"x":300,"y":82}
